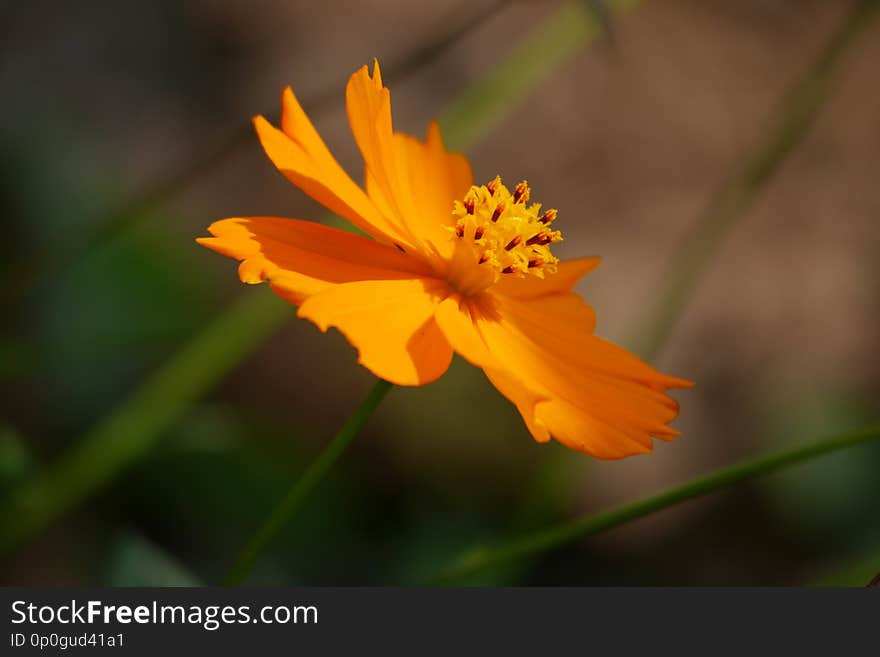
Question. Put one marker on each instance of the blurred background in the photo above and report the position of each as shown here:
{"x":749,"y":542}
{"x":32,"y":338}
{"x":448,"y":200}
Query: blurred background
{"x":124,"y":132}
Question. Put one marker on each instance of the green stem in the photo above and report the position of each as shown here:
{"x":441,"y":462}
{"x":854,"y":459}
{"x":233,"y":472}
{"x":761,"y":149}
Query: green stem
{"x":535,"y":543}
{"x":128,"y":433}
{"x":300,"y":490}
{"x":731,"y":202}
{"x":858,"y":571}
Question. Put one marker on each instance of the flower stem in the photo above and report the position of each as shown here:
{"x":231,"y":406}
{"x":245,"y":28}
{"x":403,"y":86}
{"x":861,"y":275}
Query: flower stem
{"x":300,"y":490}
{"x":535,"y":543}
{"x":131,"y":430}
{"x":859,"y":570}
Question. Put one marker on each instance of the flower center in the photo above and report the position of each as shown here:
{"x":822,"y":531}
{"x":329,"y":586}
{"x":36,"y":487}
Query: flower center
{"x":505,"y":234}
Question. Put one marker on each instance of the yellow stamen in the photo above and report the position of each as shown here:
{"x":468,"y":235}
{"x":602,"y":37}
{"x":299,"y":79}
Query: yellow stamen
{"x":493,"y":185}
{"x":506,"y":233}
{"x":548,"y":217}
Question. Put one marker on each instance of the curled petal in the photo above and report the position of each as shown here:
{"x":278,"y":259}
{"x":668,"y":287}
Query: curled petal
{"x":301,"y":155}
{"x":368,"y":104}
{"x":414,"y":183}
{"x":391,"y":324}
{"x":567,"y":383}
{"x":525,"y":400}
{"x":302,"y":258}
{"x":432,"y":177}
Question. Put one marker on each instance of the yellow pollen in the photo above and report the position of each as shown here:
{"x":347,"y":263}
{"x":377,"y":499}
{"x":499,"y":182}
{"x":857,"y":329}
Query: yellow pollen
{"x":506,"y":234}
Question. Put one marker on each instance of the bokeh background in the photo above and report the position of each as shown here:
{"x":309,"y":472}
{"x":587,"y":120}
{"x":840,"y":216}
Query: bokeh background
{"x":106,"y":103}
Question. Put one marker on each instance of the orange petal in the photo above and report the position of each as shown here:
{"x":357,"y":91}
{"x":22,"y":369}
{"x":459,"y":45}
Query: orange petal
{"x":301,"y":155}
{"x":568,"y":272}
{"x":368,"y":104}
{"x":457,"y":319}
{"x":587,"y":393}
{"x":390,"y":323}
{"x":525,"y":401}
{"x":388,"y":158}
{"x":301,"y":258}
{"x":601,"y":435}
{"x":433,"y":178}
{"x":602,"y":399}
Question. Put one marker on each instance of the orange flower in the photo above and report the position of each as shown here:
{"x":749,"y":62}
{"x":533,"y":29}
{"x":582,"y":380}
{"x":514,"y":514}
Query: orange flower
{"x":448,"y":266}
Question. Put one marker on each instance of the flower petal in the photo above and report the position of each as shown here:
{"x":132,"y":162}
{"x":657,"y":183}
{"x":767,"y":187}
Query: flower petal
{"x":434,"y":178}
{"x":368,"y":104}
{"x":301,"y":258}
{"x":301,"y":155}
{"x":524,"y":399}
{"x":567,"y":274}
{"x":456,"y":318}
{"x":398,"y":168}
{"x":603,"y":400}
{"x":587,"y":393}
{"x":390,"y":323}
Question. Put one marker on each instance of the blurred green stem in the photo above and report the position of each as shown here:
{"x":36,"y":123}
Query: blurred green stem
{"x":860,"y":570}
{"x":303,"y":486}
{"x":130,"y":430}
{"x":732,"y":201}
{"x":541,"y":541}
